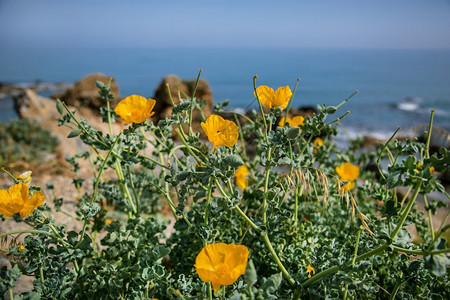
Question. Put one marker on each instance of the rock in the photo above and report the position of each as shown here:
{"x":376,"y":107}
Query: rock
{"x":370,"y":141}
{"x":31,"y":106}
{"x":304,"y":111}
{"x":163,"y":106}
{"x":85,"y":92}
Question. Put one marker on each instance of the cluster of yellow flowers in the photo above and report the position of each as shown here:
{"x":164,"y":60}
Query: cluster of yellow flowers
{"x":348,"y":172}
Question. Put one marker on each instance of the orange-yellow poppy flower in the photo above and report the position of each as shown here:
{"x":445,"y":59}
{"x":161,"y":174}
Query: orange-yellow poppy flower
{"x":269,"y":98}
{"x":135,"y":109}
{"x":221,"y":264}
{"x":17,"y":200}
{"x":317,"y":143}
{"x":220,"y":132}
{"x":294,"y":122}
{"x":348,"y":172}
{"x":240,"y":177}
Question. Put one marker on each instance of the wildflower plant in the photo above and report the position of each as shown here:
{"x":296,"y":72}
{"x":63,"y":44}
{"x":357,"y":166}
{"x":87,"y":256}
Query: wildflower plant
{"x":258,"y":211}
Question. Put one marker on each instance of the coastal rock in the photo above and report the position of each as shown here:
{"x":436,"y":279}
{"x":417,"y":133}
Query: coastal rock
{"x":163,"y":106}
{"x":85,"y":92}
{"x":30,"y":105}
{"x":304,"y":111}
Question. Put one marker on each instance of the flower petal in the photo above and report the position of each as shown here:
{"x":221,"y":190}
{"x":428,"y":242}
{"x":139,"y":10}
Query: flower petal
{"x":282,"y":97}
{"x":265,"y":96}
{"x":30,"y":204}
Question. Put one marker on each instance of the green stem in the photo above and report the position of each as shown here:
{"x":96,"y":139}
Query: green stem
{"x":133,"y":189}
{"x":192,"y":102}
{"x":355,"y":253}
{"x":430,"y":219}
{"x":277,"y":260}
{"x":406,"y":211}
{"x":292,"y":97}
{"x":348,"y":98}
{"x":334,"y":269}
{"x":420,"y":252}
{"x":375,"y":251}
{"x":382,"y":150}
{"x":395,"y":290}
{"x":208,"y":200}
{"x":260,"y":108}
{"x":108,"y":107}
{"x":81,"y":126}
{"x":237,"y":208}
{"x":11,"y":295}
{"x":427,"y":148}
{"x":266,"y":186}
{"x":209,"y":291}
{"x":95,"y":192}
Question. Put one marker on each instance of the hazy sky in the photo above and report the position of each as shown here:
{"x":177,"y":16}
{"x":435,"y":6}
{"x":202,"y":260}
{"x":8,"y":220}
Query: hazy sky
{"x":226,"y":24}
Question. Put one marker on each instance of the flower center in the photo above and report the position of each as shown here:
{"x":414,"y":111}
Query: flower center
{"x":222,"y":269}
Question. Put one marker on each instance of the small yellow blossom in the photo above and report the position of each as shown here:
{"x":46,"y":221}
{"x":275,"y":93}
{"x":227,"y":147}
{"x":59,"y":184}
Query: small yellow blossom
{"x":220,"y":132}
{"x":16,"y":200}
{"x":294,"y":122}
{"x":240,"y":177}
{"x":317,"y":143}
{"x":221,"y":264}
{"x":348,"y":172}
{"x":20,"y":248}
{"x":25,"y":177}
{"x":108,"y":221}
{"x":135,"y":109}
{"x":310,"y":269}
{"x":269,"y":98}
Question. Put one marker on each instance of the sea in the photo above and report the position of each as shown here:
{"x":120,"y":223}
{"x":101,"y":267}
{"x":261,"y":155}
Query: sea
{"x":396,"y":87}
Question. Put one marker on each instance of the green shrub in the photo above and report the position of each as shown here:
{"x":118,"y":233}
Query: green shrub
{"x":23,"y":140}
{"x":319,"y":222}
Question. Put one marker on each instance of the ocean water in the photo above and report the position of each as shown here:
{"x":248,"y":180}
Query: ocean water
{"x":396,"y":87}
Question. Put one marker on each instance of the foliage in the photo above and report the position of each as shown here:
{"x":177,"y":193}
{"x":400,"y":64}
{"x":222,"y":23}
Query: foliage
{"x":307,"y":235}
{"x":23,"y":140}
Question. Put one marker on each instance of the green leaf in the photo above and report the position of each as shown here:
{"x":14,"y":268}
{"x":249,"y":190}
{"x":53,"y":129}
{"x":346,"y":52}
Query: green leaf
{"x":74,"y":133}
{"x":250,"y":276}
{"x":234,"y":161}
{"x":59,"y":106}
{"x":293,"y":133}
{"x":437,"y":264}
{"x":99,"y":84}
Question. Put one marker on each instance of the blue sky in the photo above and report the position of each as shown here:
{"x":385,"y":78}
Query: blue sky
{"x":412,"y":24}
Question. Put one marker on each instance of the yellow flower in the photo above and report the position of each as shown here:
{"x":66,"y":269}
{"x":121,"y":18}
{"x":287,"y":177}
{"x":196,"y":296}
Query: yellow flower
{"x":348,"y":172}
{"x":348,"y":186}
{"x":221,"y":264}
{"x":135,"y":109}
{"x":310,"y":269}
{"x":220,"y":132}
{"x":295,"y":121}
{"x":25,"y":177}
{"x":269,"y":98}
{"x":317,"y":143}
{"x":108,"y":221}
{"x":16,"y":200}
{"x":21,"y":248}
{"x":240,"y":177}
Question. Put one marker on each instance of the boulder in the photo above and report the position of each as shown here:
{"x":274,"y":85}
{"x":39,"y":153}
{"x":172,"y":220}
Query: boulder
{"x":163,"y":106}
{"x":85,"y":92}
